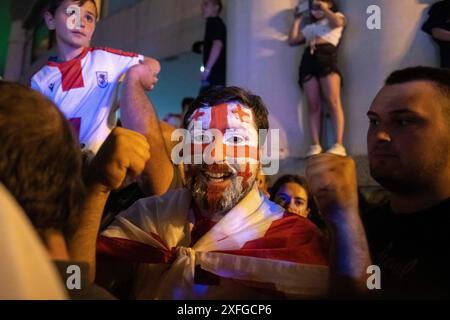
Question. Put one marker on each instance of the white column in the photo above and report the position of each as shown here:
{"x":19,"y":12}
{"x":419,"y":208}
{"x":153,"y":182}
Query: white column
{"x":260,"y":59}
{"x":369,"y":56}
{"x":16,"y":50}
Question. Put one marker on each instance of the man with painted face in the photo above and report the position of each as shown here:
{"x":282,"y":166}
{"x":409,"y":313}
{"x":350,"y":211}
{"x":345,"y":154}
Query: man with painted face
{"x":217,"y":238}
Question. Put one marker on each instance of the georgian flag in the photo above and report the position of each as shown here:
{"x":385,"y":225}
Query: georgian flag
{"x":255,"y":250}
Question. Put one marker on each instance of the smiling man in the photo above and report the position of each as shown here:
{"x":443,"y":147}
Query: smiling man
{"x":218,"y":237}
{"x":409,"y":154}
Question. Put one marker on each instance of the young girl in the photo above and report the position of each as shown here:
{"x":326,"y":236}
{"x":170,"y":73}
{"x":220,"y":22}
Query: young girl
{"x":319,"y":75}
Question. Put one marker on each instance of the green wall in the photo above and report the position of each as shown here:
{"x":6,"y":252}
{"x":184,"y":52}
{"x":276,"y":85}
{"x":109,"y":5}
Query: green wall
{"x":5,"y":25}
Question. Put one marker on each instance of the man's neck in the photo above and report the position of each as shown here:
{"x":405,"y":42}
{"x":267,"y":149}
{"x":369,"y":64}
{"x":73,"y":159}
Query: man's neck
{"x":213,"y":16}
{"x":424,"y":199}
{"x":67,"y":53}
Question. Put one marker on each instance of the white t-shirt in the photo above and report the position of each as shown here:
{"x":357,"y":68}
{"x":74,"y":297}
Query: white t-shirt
{"x":322,"y":29}
{"x":84,"y":89}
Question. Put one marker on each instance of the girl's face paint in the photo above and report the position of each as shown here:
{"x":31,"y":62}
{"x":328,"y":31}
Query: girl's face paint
{"x":225,"y":137}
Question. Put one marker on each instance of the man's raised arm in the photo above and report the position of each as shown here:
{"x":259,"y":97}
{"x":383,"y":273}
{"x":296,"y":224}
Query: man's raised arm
{"x":333,"y":184}
{"x":138,"y":114}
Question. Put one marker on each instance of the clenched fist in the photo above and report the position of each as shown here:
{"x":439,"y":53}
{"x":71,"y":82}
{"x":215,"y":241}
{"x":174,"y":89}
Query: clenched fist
{"x":145,"y":73}
{"x":333,"y":183}
{"x":124,"y":152}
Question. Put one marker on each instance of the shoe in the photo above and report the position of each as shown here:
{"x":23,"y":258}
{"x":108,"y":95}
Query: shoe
{"x":338,"y":150}
{"x":314,"y":150}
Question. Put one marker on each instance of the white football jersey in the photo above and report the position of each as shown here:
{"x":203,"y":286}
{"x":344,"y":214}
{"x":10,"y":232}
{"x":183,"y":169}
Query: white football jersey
{"x":85,"y":89}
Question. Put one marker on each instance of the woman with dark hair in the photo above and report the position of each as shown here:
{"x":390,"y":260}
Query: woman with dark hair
{"x":291,"y":192}
{"x":319,"y":75}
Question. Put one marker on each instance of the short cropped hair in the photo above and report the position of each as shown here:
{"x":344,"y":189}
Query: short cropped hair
{"x":439,"y":78}
{"x":40,"y":159}
{"x":53,"y":5}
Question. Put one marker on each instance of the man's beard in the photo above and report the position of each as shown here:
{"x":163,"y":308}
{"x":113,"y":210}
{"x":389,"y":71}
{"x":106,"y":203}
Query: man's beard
{"x":219,"y":201}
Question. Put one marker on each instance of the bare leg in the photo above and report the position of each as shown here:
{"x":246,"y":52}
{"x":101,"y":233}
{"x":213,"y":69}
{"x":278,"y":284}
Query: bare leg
{"x":312,"y":93}
{"x":331,"y":90}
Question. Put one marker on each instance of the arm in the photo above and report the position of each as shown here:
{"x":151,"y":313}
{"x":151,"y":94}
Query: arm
{"x":336,"y":21}
{"x":167,"y":131}
{"x":332,"y":180}
{"x":213,"y":57}
{"x":138,"y":114}
{"x":440,"y":34}
{"x":124,"y":153}
{"x":296,"y":37}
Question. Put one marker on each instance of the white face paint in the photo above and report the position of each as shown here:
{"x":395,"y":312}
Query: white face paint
{"x":74,"y":20}
{"x":225,"y":136}
{"x":225,"y":132}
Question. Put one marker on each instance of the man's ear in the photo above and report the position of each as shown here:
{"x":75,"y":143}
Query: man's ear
{"x":49,"y":20}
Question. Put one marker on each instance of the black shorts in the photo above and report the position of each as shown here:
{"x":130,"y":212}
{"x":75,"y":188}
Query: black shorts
{"x":321,"y":63}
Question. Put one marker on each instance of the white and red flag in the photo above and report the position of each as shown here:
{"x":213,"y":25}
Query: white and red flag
{"x":255,"y":251}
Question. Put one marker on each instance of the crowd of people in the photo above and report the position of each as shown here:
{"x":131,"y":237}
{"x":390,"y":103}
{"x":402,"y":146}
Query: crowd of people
{"x":109,"y":199}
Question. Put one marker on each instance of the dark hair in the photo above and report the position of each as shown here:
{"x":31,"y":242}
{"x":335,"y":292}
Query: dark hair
{"x":220,"y":95}
{"x":440,"y":78}
{"x":290,"y":178}
{"x":334,"y":6}
{"x":186,"y":103}
{"x":218,"y":3}
{"x":53,"y":5}
{"x":40,"y":160}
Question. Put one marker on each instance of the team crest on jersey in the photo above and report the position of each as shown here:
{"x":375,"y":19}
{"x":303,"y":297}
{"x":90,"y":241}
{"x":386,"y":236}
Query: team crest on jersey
{"x":102,"y":79}
{"x":51,"y":86}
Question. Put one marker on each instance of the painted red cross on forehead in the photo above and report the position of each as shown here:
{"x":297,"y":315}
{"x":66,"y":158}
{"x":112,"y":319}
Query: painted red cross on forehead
{"x":238,"y":136}
{"x":198,"y":114}
{"x":223,"y":116}
{"x":241,"y":114}
{"x":219,"y":117}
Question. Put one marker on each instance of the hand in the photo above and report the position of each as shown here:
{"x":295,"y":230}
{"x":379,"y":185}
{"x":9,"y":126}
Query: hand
{"x":297,"y":14}
{"x":145,"y":73}
{"x":124,"y":152}
{"x":332,"y":181}
{"x":205,"y":74}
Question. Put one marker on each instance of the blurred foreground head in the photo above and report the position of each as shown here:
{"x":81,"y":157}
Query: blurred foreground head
{"x":40,"y":160}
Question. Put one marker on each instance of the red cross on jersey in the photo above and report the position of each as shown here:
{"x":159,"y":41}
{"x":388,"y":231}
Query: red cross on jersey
{"x":84,"y":89}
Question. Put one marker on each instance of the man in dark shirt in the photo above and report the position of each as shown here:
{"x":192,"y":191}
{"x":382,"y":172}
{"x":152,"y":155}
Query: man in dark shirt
{"x":438,"y":26}
{"x":214,"y":46}
{"x":409,"y":155}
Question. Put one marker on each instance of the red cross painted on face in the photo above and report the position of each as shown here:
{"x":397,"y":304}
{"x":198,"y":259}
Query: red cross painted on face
{"x":247,"y":174}
{"x":198,"y":114}
{"x":240,"y":113}
{"x":219,"y":118}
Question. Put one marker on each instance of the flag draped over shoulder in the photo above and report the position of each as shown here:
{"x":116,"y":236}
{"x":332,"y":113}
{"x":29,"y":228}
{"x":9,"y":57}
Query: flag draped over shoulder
{"x":255,"y":246}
